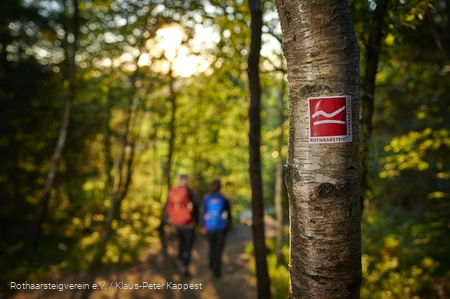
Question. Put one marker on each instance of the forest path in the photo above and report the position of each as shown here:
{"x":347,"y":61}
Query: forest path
{"x":236,"y":282}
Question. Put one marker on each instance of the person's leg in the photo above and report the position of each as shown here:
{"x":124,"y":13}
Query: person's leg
{"x":211,"y":241}
{"x":181,"y":243}
{"x":190,"y":239}
{"x":220,"y":246}
{"x":219,"y":242}
{"x":187,"y":238}
{"x":183,"y":250}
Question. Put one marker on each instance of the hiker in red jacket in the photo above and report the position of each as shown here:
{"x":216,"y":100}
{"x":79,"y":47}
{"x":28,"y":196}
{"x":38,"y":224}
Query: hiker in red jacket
{"x":182,"y":211}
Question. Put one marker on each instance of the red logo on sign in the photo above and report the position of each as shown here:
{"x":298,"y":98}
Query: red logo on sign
{"x":330,"y":119}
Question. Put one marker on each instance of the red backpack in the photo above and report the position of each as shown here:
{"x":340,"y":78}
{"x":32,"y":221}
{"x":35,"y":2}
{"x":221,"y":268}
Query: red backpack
{"x":179,"y":206}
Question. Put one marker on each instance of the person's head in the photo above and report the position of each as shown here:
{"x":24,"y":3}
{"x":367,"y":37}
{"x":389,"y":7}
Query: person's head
{"x":184,"y":180}
{"x":215,"y":186}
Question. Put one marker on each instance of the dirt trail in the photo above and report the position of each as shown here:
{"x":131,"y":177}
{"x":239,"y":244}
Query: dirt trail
{"x":236,"y":280}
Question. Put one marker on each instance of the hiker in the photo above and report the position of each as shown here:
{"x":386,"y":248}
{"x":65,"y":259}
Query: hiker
{"x":182,"y":211}
{"x":216,"y":222}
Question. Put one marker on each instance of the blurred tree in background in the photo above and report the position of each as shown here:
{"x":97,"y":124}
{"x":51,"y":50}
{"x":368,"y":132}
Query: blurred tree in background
{"x":130,"y":54}
{"x":406,"y":226}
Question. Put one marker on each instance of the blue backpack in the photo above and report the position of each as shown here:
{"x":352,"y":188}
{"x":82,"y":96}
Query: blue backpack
{"x":215,"y":216}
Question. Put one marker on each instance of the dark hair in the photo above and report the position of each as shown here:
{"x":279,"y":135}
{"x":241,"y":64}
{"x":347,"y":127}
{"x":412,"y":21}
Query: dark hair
{"x":184,"y":179}
{"x":215,"y":186}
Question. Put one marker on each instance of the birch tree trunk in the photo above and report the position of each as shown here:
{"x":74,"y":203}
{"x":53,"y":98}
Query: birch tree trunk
{"x":43,"y":202}
{"x":259,"y":239}
{"x":322,"y":178}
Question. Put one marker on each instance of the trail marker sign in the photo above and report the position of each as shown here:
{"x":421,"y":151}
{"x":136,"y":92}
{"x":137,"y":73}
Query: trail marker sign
{"x":330,"y":119}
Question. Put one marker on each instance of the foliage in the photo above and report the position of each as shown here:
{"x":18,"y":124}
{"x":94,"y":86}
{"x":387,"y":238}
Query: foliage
{"x":279,"y":273}
{"x":418,"y":151}
{"x":121,"y":65}
{"x":402,"y":257}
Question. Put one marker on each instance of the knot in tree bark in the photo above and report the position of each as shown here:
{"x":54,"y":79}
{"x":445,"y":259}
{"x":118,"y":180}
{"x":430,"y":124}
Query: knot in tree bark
{"x":326,"y":190}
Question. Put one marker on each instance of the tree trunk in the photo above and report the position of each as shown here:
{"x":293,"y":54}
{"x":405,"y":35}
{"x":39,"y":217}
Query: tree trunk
{"x":123,"y":183}
{"x":168,"y":170}
{"x":279,"y":180}
{"x":259,"y":238}
{"x":107,"y":233}
{"x":173,"y":103}
{"x":43,"y":202}
{"x":373,"y":47}
{"x":432,"y":27}
{"x":322,"y":178}
{"x":117,"y":187}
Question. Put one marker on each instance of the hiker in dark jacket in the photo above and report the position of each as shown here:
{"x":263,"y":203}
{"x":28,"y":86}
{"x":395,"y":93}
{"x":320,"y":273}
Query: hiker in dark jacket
{"x":182,"y":211}
{"x":216,"y":222}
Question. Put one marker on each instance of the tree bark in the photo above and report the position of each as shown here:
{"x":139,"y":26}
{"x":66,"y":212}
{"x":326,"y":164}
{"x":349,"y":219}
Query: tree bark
{"x":279,"y":180}
{"x":322,"y":179}
{"x":259,"y":238}
{"x":43,"y":202}
{"x":373,"y":47}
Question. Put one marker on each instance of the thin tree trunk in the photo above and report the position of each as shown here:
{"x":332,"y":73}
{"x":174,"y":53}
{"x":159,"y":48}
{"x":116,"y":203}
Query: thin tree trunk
{"x":437,"y":40}
{"x":172,"y":129}
{"x":157,"y":171}
{"x":107,"y":141}
{"x":259,"y":238}
{"x":128,"y":178}
{"x":107,"y":233}
{"x":322,"y":179}
{"x":168,"y":169}
{"x":43,"y":202}
{"x":368,"y":89}
{"x":117,"y":193}
{"x":111,"y":168}
{"x":123,"y":183}
{"x":132,"y":119}
{"x":117,"y":188}
{"x":279,"y":180}
{"x":15,"y":172}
